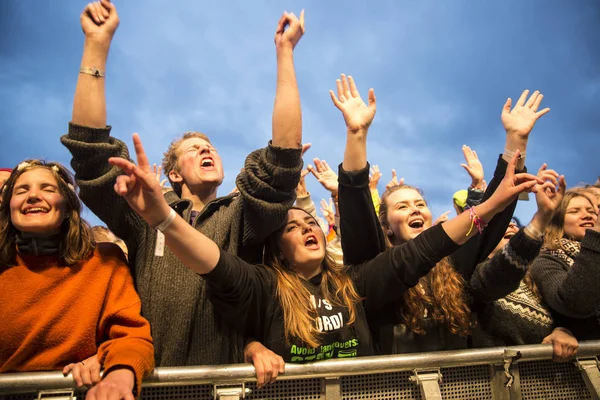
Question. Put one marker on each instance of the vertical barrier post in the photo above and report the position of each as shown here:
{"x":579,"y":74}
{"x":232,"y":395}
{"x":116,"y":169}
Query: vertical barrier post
{"x":333,"y":388}
{"x":591,"y":375}
{"x":429,"y":383}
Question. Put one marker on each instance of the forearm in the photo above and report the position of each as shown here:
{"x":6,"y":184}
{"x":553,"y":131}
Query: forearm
{"x":191,"y":247}
{"x":306,"y":203}
{"x":355,"y":153}
{"x":461,"y":228}
{"x":361,"y":233}
{"x":287,"y":113}
{"x":501,"y":275}
{"x":89,"y":104}
{"x":514,"y":143}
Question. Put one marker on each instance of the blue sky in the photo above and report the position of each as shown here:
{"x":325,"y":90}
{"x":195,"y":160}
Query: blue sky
{"x":441,"y":71}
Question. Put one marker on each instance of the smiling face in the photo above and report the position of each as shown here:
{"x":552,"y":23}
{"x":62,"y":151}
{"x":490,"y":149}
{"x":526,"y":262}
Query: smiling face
{"x":579,"y":216}
{"x":407,"y":215}
{"x":302,"y":243}
{"x":199,"y":165}
{"x":37,"y":206}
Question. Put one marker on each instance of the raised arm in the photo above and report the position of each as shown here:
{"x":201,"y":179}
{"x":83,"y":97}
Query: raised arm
{"x":501,"y":275}
{"x":270,"y":176}
{"x":287,"y":115}
{"x":99,"y":21}
{"x":383,"y":278}
{"x":518,"y":124}
{"x":89,"y":139}
{"x":362,"y":236}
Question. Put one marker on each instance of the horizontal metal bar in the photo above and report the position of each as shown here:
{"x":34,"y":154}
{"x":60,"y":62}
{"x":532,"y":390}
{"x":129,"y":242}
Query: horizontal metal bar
{"x":28,"y":382}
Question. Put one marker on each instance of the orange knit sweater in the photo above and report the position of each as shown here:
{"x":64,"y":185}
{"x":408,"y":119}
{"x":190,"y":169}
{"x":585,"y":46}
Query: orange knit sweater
{"x":52,"y":315}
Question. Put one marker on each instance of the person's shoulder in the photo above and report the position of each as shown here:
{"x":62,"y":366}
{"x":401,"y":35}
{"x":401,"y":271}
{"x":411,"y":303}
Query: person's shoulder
{"x":106,"y":251}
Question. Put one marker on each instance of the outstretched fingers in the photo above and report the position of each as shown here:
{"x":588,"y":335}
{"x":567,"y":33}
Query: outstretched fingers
{"x":533,"y":99}
{"x":372,"y":98}
{"x":562,"y":185}
{"x":335,"y":101}
{"x":340,"y":90}
{"x":523,"y":98}
{"x":353,"y":89}
{"x":507,"y":105}
{"x":526,"y":182}
{"x":142,"y":159}
{"x":345,"y":87}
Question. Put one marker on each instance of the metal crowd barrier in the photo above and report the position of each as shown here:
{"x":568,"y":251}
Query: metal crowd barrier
{"x":523,"y":372}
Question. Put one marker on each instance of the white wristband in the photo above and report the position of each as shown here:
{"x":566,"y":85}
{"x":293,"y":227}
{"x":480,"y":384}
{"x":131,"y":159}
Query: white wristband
{"x":509,"y":153}
{"x":533,"y":232}
{"x":163,"y":226}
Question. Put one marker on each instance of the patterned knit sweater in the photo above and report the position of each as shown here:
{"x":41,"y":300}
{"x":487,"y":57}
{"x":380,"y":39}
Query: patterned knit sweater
{"x":185,"y":329}
{"x":568,"y":281}
{"x":517,"y":318}
{"x":52,"y":315}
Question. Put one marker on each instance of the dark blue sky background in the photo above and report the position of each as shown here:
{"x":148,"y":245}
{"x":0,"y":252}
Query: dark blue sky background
{"x":441,"y":71}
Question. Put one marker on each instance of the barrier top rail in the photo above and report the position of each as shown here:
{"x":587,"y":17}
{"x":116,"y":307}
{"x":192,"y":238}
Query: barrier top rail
{"x":28,"y":382}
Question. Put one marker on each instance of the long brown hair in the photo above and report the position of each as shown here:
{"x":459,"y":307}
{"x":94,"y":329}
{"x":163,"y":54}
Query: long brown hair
{"x":294,"y":297}
{"x":441,"y":292}
{"x":556,"y":228}
{"x":75,"y":243}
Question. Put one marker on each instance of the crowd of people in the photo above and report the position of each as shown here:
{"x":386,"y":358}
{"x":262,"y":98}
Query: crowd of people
{"x":181,"y":276}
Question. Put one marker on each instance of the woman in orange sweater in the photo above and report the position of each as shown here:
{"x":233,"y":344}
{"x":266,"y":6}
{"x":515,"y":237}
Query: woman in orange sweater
{"x":65,"y":298}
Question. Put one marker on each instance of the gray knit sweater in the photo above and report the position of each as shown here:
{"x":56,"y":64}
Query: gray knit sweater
{"x":572,"y":292}
{"x":185,"y":329}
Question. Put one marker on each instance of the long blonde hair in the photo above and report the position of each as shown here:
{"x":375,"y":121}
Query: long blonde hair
{"x":442,"y":291}
{"x":75,"y":243}
{"x":294,"y":297}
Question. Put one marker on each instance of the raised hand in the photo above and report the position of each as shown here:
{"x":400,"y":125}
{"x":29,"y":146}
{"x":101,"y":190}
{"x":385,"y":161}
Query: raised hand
{"x":295,"y":29}
{"x":513,"y":184}
{"x":521,"y":119}
{"x":99,"y":21}
{"x":139,"y":186}
{"x":473,"y":167}
{"x":327,"y":211}
{"x":374,"y":177}
{"x":158,"y":172}
{"x":547,"y":195}
{"x":325,"y":175}
{"x":357,"y":115}
{"x":394,"y":182}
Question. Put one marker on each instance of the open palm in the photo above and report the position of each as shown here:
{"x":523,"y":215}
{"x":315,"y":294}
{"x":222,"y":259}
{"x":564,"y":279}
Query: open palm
{"x":357,"y":114}
{"x":521,"y":119}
